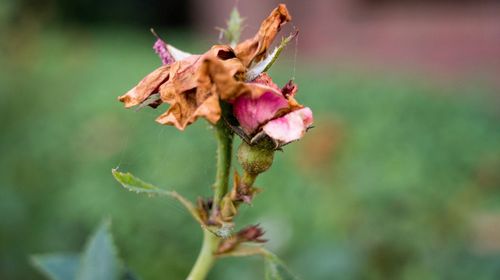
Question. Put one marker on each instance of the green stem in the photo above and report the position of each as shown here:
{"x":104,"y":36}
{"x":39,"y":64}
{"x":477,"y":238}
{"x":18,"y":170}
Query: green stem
{"x":224,"y":152}
{"x":248,"y":178}
{"x":206,"y":257}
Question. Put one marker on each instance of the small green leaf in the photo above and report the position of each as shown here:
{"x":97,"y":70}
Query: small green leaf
{"x":100,"y":260}
{"x":57,"y":266}
{"x":134,"y":184}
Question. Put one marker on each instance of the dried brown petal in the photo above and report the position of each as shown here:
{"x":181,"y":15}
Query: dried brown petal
{"x":213,"y":75}
{"x":188,"y":107}
{"x":146,"y":87}
{"x":255,"y":49}
{"x":191,"y":91}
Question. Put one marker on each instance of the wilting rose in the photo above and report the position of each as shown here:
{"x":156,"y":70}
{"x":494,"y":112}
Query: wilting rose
{"x":178,"y":84}
{"x":193,"y":85}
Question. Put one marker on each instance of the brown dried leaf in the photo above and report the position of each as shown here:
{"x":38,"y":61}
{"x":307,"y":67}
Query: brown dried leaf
{"x":255,"y":49}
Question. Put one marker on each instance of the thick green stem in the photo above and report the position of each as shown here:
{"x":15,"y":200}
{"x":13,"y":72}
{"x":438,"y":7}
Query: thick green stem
{"x":224,"y":152}
{"x":248,"y":179}
{"x":206,"y":257}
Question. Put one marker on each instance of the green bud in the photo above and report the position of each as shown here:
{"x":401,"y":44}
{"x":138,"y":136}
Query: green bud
{"x":255,"y":159}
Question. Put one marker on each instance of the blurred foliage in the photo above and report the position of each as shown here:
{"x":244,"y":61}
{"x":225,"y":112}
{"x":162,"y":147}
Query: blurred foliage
{"x":98,"y":261}
{"x":394,"y":181}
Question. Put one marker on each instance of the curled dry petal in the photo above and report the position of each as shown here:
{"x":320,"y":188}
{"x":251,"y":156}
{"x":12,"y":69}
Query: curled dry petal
{"x":188,"y":85}
{"x":226,"y":77}
{"x":146,"y":87}
{"x":290,"y":127}
{"x":188,"y":107}
{"x":192,"y":91}
{"x":255,"y":49}
{"x":214,"y":74}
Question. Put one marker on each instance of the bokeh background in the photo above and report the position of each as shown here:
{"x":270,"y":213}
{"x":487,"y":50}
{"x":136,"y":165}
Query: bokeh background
{"x":400,"y":178}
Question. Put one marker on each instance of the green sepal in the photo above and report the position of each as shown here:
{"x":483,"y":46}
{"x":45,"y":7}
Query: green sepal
{"x":233,"y":30}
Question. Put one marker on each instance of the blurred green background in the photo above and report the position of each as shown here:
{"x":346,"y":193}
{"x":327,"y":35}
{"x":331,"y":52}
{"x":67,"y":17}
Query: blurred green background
{"x":399,"y":179}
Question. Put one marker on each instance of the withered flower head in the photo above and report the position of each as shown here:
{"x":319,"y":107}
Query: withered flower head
{"x":194,"y":85}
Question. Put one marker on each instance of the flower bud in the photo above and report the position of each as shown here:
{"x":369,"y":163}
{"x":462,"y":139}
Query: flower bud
{"x":255,"y":159}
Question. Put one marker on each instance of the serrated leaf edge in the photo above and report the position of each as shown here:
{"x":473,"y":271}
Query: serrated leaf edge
{"x":158,"y":191}
{"x":106,"y":223}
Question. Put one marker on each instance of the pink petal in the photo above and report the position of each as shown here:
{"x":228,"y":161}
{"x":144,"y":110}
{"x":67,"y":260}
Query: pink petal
{"x":253,"y":112}
{"x":266,"y":80}
{"x":290,"y":127}
{"x":160,"y":48}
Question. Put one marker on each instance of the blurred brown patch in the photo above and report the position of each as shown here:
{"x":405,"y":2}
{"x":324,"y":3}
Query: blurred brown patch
{"x":488,"y":174}
{"x":486,"y":233}
{"x":318,"y":149}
